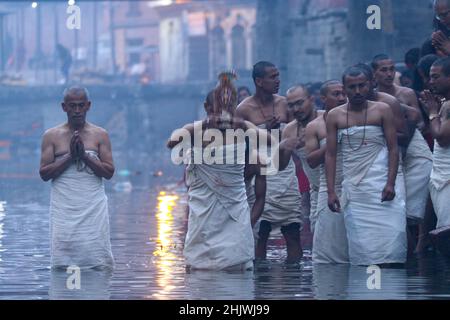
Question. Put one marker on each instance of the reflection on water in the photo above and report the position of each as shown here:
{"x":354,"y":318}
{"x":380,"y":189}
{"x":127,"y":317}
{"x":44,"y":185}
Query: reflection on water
{"x":94,"y":284}
{"x":165,"y":243}
{"x":221,"y":285}
{"x":2,"y":215}
{"x":148,"y":227}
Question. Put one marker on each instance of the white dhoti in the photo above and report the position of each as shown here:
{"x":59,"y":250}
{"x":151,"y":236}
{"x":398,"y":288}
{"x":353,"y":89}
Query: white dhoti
{"x":376,"y":230}
{"x":219,"y":232}
{"x":330,"y":243}
{"x":283,"y":200}
{"x":440,"y":185}
{"x":313,"y":178}
{"x":417,"y":165}
{"x":79,"y":220}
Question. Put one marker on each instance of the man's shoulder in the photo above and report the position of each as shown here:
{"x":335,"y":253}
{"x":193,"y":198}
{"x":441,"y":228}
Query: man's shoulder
{"x":55,"y":131}
{"x":245,"y":104}
{"x":97,"y":129}
{"x":279,"y":98}
{"x":290,"y":126}
{"x":405,"y":91}
{"x":337,"y":111}
{"x":379,"y":105}
{"x":386,"y":98}
{"x":316,"y":123}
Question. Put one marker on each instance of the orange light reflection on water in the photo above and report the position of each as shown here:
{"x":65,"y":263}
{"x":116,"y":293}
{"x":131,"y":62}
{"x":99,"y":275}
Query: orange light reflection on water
{"x":165,"y":242}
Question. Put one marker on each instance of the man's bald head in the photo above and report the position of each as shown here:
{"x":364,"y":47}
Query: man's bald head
{"x":299,"y":88}
{"x":326,"y":86}
{"x":81,"y":93}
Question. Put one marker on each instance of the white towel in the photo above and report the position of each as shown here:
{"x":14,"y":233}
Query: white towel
{"x":440,"y":184}
{"x":417,"y":165}
{"x":313,"y":178}
{"x":376,"y":230}
{"x":79,"y":224}
{"x":219,"y":231}
{"x":330,"y":243}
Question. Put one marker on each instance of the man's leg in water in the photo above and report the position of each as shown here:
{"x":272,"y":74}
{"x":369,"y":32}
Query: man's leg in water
{"x":291,"y":235}
{"x":263,"y":237}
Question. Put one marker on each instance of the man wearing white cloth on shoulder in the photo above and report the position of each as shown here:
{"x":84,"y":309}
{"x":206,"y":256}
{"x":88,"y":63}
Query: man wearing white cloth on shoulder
{"x":375,"y":218}
{"x":440,"y":129}
{"x":76,"y":156}
{"x":219,"y":233}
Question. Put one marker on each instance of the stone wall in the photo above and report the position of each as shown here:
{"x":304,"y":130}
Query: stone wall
{"x":315,"y":40}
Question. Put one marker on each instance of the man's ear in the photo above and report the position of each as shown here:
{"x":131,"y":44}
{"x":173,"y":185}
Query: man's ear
{"x":323,"y":98}
{"x":258,"y":82}
{"x":88,"y":105}
{"x":63,"y":106}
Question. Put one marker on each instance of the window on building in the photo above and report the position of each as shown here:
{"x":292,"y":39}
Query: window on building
{"x":239,"y":49}
{"x":134,"y":9}
{"x":218,"y":50}
{"x":134,"y":58}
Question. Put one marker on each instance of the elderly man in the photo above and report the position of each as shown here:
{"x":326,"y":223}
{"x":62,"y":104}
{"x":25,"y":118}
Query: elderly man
{"x":76,"y":156}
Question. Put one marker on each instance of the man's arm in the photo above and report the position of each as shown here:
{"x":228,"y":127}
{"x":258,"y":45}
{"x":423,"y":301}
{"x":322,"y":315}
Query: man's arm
{"x":240,"y":112}
{"x":389,"y":129}
{"x":181,"y":135}
{"x":260,"y":191}
{"x":403,"y":135}
{"x":330,"y":161}
{"x":440,"y":127}
{"x":49,"y":168}
{"x":316,"y":153}
{"x":103,"y":168}
{"x":287,"y":145}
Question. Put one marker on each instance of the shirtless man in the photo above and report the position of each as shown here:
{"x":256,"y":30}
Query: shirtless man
{"x":440,"y":129}
{"x":76,"y":156}
{"x":330,"y":238}
{"x":301,"y":104}
{"x":417,"y":157}
{"x":367,"y":135}
{"x":268,"y":110}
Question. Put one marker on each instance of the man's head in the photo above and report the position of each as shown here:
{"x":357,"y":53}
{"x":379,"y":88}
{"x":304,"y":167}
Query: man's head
{"x":266,"y":77}
{"x":300,"y":102}
{"x":383,"y":70}
{"x":356,"y":85}
{"x":242,"y":93}
{"x":412,"y":57}
{"x":332,"y":94}
{"x":442,"y":11}
{"x":423,"y":68}
{"x":76,"y":104}
{"x":440,"y":77}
